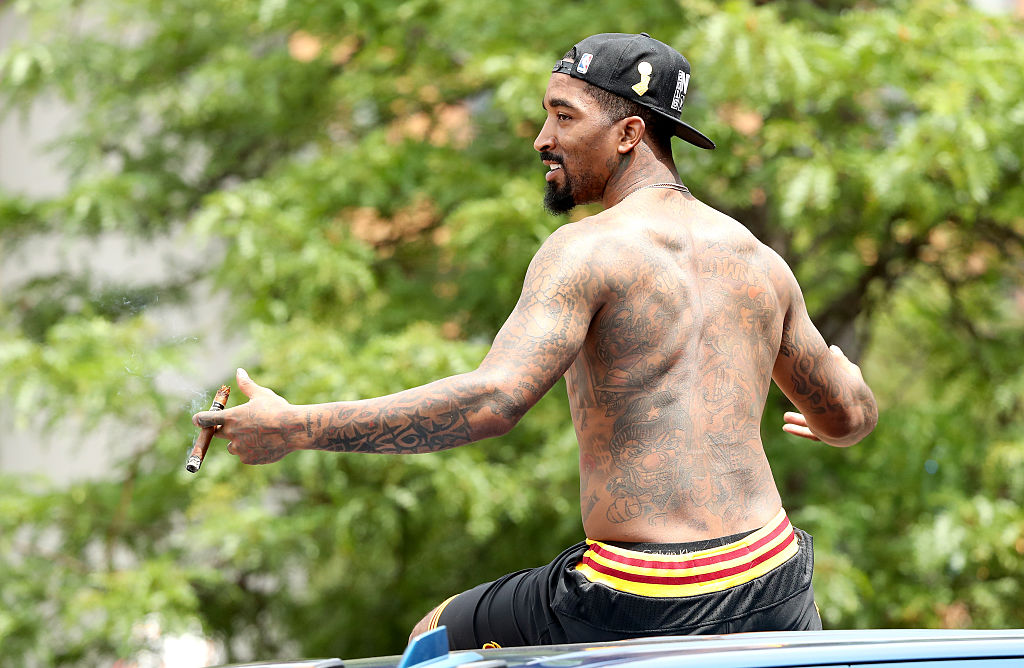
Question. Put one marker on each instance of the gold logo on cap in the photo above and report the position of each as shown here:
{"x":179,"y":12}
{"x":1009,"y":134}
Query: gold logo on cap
{"x":645,"y":70}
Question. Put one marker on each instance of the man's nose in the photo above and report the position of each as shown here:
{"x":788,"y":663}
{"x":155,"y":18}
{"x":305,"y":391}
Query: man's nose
{"x":545,"y":141}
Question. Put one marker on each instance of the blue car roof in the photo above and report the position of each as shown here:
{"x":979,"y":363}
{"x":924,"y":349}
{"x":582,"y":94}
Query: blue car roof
{"x":741,"y":650}
{"x":776,"y":650}
{"x":746,"y":650}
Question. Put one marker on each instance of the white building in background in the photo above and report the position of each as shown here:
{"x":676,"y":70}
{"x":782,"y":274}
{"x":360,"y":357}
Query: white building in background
{"x":24,"y":168}
{"x":65,"y":452}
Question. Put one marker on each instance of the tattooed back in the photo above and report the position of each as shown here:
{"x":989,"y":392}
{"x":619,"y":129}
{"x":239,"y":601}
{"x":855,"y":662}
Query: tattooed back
{"x":668,"y":389}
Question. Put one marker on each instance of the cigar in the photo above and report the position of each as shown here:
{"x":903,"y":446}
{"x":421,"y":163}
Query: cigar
{"x":202,"y":444}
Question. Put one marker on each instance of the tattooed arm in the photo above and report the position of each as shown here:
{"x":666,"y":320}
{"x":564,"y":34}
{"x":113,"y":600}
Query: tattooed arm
{"x":836,"y":405}
{"x":536,"y":345}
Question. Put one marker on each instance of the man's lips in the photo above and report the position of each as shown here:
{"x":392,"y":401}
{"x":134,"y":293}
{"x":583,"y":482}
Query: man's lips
{"x":554,"y":168}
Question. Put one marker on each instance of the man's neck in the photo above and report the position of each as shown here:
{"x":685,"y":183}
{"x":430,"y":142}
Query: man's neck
{"x":637,"y":169}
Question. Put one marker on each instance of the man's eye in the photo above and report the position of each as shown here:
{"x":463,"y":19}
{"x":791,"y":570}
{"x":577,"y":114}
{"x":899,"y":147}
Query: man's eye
{"x":562,"y":117}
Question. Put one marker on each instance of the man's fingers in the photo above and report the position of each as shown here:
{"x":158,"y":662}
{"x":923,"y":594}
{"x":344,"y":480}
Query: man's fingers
{"x":208,"y":419}
{"x":800,"y":431}
{"x":796,"y":424}
{"x":794,"y":418}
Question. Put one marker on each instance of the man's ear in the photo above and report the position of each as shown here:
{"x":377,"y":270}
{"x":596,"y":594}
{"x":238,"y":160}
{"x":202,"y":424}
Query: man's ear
{"x":632,"y":131}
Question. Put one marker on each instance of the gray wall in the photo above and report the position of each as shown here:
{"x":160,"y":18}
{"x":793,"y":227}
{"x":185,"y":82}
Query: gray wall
{"x":65,"y":451}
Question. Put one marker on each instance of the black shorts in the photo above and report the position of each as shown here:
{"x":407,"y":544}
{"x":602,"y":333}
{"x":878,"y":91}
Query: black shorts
{"x":596,"y":592}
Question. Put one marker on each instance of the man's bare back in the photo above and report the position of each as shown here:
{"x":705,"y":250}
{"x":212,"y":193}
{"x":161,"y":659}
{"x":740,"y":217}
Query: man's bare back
{"x":668,"y":389}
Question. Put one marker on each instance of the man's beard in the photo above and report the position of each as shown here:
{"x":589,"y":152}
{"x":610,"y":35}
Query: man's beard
{"x":559,"y":198}
{"x":574,"y":191}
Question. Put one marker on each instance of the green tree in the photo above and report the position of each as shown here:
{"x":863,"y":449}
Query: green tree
{"x":358,"y":177}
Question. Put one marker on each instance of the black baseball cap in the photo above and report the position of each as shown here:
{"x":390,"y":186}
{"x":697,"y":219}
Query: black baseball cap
{"x":638,"y":68}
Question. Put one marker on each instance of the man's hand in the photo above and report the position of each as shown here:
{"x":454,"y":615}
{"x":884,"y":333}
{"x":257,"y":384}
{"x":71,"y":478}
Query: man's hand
{"x":261,"y":431}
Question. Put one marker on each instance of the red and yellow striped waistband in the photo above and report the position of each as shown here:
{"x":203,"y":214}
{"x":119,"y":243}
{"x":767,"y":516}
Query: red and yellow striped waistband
{"x":702,"y":572}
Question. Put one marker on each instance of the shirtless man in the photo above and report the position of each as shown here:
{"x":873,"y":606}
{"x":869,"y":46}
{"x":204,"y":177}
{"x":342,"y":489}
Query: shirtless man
{"x":669,"y":321}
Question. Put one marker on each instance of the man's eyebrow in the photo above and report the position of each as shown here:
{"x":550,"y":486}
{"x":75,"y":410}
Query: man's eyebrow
{"x":559,"y":102}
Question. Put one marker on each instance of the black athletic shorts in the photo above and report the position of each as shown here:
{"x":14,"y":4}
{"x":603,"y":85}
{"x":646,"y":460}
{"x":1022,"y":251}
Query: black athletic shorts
{"x":596,"y":592}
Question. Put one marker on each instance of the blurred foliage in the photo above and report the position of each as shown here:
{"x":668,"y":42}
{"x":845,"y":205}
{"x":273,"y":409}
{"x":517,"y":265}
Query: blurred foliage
{"x":358,"y":176}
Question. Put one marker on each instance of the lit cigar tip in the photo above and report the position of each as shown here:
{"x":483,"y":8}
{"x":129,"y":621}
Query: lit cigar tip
{"x":193,"y":464}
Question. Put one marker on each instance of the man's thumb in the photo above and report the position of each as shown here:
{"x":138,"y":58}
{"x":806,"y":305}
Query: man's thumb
{"x":245,"y":384}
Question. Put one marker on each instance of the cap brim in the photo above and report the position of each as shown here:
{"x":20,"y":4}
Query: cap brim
{"x":686,"y":132}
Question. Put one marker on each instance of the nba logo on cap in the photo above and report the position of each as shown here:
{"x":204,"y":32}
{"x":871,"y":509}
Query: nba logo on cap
{"x":682,"y":83}
{"x":584,"y":63}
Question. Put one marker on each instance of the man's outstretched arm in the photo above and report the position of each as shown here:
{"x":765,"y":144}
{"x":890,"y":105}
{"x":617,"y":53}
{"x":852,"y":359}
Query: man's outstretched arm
{"x":536,"y":345}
